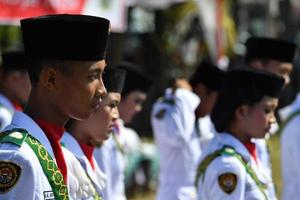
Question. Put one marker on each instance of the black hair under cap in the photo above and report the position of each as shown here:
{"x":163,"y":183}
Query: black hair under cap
{"x":243,"y":86}
{"x":269,"y":48}
{"x":65,"y":37}
{"x":113,"y":79}
{"x":13,"y":60}
{"x":208,"y":74}
{"x":135,"y":78}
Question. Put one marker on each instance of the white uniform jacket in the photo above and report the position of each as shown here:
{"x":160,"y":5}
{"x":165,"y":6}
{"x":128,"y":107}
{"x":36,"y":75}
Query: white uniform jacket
{"x":6,"y":111}
{"x":112,"y":164}
{"x":174,"y":127}
{"x":96,"y":176}
{"x":225,"y":178}
{"x":32,"y":183}
{"x":290,"y":155}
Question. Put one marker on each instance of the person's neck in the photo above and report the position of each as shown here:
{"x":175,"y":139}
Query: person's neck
{"x":39,"y":107}
{"x":239,"y":135}
{"x":80,"y":135}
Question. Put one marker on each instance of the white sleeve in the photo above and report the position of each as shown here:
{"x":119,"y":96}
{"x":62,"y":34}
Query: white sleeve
{"x":213,"y":184}
{"x":178,"y":123}
{"x":17,"y":177}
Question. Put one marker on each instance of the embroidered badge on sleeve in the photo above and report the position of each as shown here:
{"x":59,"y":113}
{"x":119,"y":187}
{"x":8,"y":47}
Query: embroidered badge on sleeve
{"x":9,"y":175}
{"x":228,"y":182}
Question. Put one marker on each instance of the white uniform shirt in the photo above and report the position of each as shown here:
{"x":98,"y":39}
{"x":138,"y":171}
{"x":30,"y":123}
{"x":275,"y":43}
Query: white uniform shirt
{"x":290,"y":155}
{"x":6,"y":111}
{"x":112,"y":164}
{"x":173,"y":124}
{"x":32,"y":183}
{"x":245,"y":188}
{"x":96,"y":176}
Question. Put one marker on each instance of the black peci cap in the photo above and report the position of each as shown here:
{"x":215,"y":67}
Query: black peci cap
{"x":135,"y":78}
{"x":269,"y":48}
{"x":65,"y":37}
{"x":13,"y":60}
{"x":253,"y":82}
{"x":208,"y":74}
{"x":114,"y":79}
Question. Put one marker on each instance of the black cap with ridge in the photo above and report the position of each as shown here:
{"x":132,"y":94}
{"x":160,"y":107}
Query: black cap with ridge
{"x":65,"y":37}
{"x":243,"y":86}
{"x":114,"y":79}
{"x":208,"y":74}
{"x":269,"y":48}
{"x":135,"y":78}
{"x":13,"y":60}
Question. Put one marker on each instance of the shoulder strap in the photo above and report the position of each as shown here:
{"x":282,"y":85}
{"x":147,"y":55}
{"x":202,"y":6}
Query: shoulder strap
{"x":49,"y":167}
{"x":229,"y":151}
{"x":14,"y":137}
{"x":288,"y":119}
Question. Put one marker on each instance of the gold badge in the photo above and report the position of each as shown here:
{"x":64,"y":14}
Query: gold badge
{"x":9,"y":175}
{"x":227,"y":182}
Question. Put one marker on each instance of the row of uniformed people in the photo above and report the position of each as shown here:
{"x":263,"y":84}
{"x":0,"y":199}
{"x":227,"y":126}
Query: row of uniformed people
{"x":174,"y":121}
{"x":55,"y":81}
{"x":65,"y":69}
{"x":66,"y":60}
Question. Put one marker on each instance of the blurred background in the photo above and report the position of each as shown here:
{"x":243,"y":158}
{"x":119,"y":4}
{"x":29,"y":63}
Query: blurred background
{"x":170,"y":37}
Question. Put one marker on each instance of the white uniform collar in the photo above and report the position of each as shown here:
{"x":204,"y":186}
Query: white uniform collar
{"x":21,"y":120}
{"x":228,"y":139}
{"x":72,"y":145}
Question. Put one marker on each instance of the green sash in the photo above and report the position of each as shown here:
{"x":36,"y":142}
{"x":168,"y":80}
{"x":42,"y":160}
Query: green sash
{"x":229,"y":151}
{"x":54,"y":176}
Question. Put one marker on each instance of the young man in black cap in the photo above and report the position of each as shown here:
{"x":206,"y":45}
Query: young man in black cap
{"x":83,"y":137}
{"x":275,"y":56}
{"x":270,"y":54}
{"x":15,"y":85}
{"x":66,"y":54}
{"x":112,"y":154}
{"x":177,"y":135}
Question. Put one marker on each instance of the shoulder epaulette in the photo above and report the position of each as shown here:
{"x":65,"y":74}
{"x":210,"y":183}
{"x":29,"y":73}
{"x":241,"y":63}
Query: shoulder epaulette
{"x":14,"y":136}
{"x":229,"y":151}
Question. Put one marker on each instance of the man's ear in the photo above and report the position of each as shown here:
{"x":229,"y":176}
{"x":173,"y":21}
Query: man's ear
{"x":242,"y":112}
{"x":48,"y":77}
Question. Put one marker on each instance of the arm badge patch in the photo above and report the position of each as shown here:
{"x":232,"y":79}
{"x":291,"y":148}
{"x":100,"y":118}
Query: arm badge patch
{"x":9,"y":175}
{"x":228,"y":182}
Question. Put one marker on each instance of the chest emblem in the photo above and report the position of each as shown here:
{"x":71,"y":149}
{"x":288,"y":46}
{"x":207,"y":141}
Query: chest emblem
{"x":228,"y":182}
{"x":9,"y":175}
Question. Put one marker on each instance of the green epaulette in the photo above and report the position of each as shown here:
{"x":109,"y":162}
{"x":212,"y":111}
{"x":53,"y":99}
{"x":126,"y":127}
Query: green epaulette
{"x":15,"y":136}
{"x":229,"y":151}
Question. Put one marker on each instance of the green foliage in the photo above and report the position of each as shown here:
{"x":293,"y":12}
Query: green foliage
{"x":10,"y":36}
